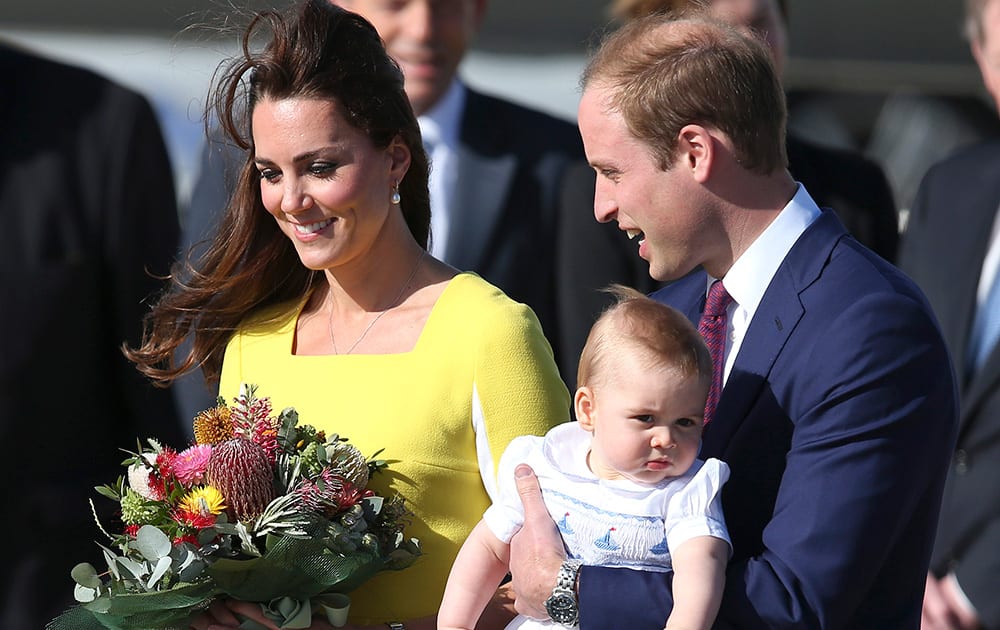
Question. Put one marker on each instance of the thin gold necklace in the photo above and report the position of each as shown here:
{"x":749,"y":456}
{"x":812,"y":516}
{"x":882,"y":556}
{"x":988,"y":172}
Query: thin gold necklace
{"x":395,"y":302}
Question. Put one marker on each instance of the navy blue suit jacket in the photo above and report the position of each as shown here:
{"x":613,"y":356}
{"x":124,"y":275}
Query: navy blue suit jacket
{"x":837,"y":420}
{"x":945,"y":244}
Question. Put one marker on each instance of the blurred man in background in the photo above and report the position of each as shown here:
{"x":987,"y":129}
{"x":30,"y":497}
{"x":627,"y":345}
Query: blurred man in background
{"x":87,"y":197}
{"x":952,"y":249}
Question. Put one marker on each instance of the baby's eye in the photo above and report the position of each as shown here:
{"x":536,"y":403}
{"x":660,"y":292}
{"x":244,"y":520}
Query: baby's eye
{"x":686,"y":422}
{"x":644,"y":417}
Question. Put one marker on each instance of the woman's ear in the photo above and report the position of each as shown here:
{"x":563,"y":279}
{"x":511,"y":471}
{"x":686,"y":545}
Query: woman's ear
{"x":583,"y":404}
{"x":399,"y":158}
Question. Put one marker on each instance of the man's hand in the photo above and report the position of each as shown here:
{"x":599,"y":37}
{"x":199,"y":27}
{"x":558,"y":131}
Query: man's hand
{"x":536,"y":551}
{"x":945,"y":607}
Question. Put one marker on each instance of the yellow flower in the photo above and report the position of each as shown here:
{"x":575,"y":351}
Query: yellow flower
{"x":213,"y":425}
{"x":203,"y":500}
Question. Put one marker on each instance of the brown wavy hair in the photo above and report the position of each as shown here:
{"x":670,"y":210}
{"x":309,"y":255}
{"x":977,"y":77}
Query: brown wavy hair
{"x":319,"y":51}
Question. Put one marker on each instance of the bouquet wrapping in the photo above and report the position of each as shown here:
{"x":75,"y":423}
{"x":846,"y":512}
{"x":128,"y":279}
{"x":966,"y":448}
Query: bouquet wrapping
{"x":261,"y":509}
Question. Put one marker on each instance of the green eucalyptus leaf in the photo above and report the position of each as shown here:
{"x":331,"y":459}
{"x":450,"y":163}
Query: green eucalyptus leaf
{"x":110,"y":558}
{"x":84,"y":594}
{"x":162,"y":566}
{"x":85,"y":574}
{"x":135,"y":570}
{"x":152,"y":543}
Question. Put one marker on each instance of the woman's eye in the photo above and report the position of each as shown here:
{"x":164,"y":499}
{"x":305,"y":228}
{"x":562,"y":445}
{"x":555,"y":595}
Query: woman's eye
{"x":269,"y":174}
{"x":322,"y":168}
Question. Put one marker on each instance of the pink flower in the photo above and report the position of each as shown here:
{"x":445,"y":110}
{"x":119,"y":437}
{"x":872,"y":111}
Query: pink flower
{"x":190,"y":464}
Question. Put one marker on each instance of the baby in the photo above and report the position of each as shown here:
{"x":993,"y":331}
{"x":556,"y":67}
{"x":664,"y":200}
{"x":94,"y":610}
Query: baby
{"x":623,"y":483}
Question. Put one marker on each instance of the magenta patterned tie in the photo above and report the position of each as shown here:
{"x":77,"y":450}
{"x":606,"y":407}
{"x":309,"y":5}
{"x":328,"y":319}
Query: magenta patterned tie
{"x":713,"y":328}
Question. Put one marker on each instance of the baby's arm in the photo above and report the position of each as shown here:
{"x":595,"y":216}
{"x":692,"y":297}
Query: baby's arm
{"x":480,"y":566}
{"x":699,"y":566}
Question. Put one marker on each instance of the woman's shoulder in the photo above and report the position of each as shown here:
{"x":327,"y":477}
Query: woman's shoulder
{"x":469,"y":291}
{"x":271,"y":319}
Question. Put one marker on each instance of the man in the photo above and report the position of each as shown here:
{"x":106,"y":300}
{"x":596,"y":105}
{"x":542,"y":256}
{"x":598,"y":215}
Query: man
{"x":952,"y":250}
{"x":90,"y":220}
{"x":591,"y":256}
{"x":837,"y":412}
{"x":496,"y":166}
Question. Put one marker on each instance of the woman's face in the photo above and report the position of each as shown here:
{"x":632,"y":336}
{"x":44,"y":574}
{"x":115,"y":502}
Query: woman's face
{"x":323,"y":181}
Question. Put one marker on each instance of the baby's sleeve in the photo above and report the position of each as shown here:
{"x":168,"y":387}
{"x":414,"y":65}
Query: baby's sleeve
{"x":696,"y":510}
{"x":506,"y":515}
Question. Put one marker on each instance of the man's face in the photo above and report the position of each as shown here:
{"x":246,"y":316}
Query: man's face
{"x":660,"y":210}
{"x":763,"y":17}
{"x":987,"y":51}
{"x":428,"y":38}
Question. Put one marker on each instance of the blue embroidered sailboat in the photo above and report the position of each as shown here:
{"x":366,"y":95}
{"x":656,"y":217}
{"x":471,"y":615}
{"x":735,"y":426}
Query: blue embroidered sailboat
{"x":606,"y":542}
{"x":660,"y":548}
{"x":564,"y":526}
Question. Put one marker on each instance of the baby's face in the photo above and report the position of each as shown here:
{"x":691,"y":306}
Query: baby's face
{"x":646,"y":422}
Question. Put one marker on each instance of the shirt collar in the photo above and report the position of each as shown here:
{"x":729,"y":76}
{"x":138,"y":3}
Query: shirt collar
{"x":443,"y":121}
{"x":748,"y":278}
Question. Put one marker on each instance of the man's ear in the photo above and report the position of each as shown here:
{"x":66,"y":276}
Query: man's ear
{"x":696,"y":150}
{"x":583,"y":404}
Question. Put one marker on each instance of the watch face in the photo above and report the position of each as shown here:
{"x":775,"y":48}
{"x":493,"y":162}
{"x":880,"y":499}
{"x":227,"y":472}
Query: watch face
{"x":562,"y":609}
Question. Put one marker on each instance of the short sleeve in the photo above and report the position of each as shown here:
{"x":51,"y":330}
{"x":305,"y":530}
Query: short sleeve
{"x":506,"y":515}
{"x":696,"y":510}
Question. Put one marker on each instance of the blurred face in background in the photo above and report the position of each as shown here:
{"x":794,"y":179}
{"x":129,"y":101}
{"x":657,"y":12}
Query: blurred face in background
{"x":428,"y":38}
{"x":761,"y":16}
{"x":987,"y":50}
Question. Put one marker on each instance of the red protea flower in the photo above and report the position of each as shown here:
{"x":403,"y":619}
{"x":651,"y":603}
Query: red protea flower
{"x":242,"y":472}
{"x":265,"y":435}
{"x":132,"y":530}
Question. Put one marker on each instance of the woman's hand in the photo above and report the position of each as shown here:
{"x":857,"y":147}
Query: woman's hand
{"x":222,"y":615}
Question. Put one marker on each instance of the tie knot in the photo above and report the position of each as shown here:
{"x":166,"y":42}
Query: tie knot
{"x":717,"y":301}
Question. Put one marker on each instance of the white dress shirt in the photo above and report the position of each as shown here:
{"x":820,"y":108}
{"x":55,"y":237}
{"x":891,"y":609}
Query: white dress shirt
{"x":751,"y":273}
{"x":440,"y":129}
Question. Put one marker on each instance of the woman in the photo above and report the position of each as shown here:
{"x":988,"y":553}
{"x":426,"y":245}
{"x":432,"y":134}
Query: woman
{"x":320,"y":290}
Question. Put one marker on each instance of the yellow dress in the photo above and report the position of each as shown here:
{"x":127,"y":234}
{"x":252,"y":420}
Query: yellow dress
{"x":480,"y":374}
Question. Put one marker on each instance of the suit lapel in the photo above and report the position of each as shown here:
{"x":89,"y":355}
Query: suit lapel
{"x":477,"y":205}
{"x":776,"y":317}
{"x":484,"y":172}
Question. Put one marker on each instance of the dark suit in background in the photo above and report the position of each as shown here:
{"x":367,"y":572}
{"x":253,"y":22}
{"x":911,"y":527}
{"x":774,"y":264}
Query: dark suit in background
{"x":87,"y":197}
{"x":592,"y":255}
{"x":943,"y":249}
{"x":837,"y":420}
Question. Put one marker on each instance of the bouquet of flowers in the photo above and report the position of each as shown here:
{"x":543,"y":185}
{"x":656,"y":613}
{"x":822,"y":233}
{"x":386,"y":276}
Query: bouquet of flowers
{"x":261,"y":509}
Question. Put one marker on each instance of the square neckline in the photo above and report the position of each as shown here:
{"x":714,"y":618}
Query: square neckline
{"x":431,"y":319}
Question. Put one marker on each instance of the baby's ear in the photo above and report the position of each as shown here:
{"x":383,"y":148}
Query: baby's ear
{"x":583,"y":404}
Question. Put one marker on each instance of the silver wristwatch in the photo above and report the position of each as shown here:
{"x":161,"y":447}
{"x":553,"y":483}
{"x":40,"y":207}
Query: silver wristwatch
{"x":561,"y":605}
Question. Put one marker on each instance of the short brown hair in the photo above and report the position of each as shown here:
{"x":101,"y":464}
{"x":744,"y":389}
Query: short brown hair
{"x":665,"y":71}
{"x":631,"y":9}
{"x":635,"y":322}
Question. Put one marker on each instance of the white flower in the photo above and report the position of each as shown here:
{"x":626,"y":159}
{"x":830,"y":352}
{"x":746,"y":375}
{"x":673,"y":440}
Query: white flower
{"x":138,"y":478}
